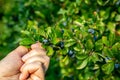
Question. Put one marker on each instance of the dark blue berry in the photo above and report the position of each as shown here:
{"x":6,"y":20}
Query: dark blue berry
{"x":45,"y":41}
{"x":70,"y":53}
{"x":64,"y":23}
{"x":62,"y":31}
{"x":61,"y":44}
{"x":117,"y":66}
{"x":118,"y":3}
{"x":107,"y":59}
{"x":72,"y":29}
{"x":95,"y":38}
{"x":92,"y":31}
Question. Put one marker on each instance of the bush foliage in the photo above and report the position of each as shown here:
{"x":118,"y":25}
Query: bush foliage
{"x":82,"y":37}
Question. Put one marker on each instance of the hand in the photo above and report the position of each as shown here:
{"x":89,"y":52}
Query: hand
{"x":35,"y":64}
{"x":11,"y":64}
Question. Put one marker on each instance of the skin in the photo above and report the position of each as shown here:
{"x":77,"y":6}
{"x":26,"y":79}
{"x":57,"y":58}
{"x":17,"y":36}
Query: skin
{"x":24,"y":64}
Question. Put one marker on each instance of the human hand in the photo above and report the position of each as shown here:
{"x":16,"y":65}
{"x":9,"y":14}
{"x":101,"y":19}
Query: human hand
{"x":35,"y":64}
{"x":11,"y":64}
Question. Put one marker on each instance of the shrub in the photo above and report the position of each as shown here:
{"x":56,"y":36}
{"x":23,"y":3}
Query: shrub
{"x":81,"y":36}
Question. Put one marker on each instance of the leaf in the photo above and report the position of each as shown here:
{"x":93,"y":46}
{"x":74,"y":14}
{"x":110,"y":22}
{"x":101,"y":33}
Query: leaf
{"x":111,"y":39}
{"x":108,"y":67}
{"x":26,"y":42}
{"x":89,"y":44}
{"x":115,"y":48}
{"x":50,"y":51}
{"x":69,"y":42}
{"x":42,"y":32}
{"x":81,"y":56}
{"x":117,"y":18}
{"x":107,"y":52}
{"x":62,"y":11}
{"x":77,"y":48}
{"x":111,"y":27}
{"x":49,"y":30}
{"x":102,"y":2}
{"x":55,"y":40}
{"x":40,"y":14}
{"x":94,"y":57}
{"x":25,"y":32}
{"x":83,"y":64}
{"x":105,"y":41}
{"x":98,"y":45}
{"x":105,"y":13}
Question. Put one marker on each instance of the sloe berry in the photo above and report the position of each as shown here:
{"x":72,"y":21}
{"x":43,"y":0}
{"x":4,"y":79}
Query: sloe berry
{"x":45,"y":41}
{"x":92,"y":31}
{"x":117,"y":66}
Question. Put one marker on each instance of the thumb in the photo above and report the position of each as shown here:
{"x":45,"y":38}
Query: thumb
{"x":21,"y":51}
{"x":37,"y":45}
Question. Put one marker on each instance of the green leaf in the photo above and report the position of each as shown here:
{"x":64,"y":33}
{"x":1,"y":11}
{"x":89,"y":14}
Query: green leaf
{"x":81,"y":56}
{"x":94,"y":57}
{"x":26,"y":33}
{"x":26,"y":42}
{"x":111,"y":27}
{"x":115,"y":47}
{"x":108,"y":67}
{"x":117,"y":18}
{"x":111,"y":39}
{"x":98,"y":45}
{"x":102,"y":2}
{"x":49,"y":30}
{"x":107,"y":52}
{"x":105,"y":13}
{"x":55,"y":40}
{"x":83,"y":64}
{"x":50,"y":51}
{"x":105,"y":40}
{"x":77,"y":48}
{"x":40,"y":14}
{"x":101,"y":26}
{"x":89,"y":44}
{"x":69,"y":42}
{"x":42,"y":32}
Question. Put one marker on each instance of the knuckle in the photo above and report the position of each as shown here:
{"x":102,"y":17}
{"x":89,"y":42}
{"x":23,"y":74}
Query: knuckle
{"x":34,"y":51}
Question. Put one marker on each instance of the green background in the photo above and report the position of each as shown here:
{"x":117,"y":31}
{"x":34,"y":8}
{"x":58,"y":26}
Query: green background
{"x":82,"y":37}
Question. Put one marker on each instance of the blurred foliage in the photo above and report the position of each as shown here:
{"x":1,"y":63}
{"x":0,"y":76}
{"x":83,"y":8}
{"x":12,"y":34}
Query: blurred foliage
{"x":82,"y":37}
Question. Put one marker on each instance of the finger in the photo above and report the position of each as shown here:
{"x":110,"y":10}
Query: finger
{"x":34,"y":77}
{"x":43,"y":59}
{"x":21,"y":51}
{"x":31,"y":68}
{"x":29,"y":79}
{"x":24,"y":76}
{"x":40,"y":74}
{"x":38,"y":45}
{"x":33,"y":52}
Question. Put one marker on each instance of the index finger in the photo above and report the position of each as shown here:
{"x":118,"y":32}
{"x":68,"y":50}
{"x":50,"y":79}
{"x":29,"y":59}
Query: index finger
{"x":34,"y":52}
